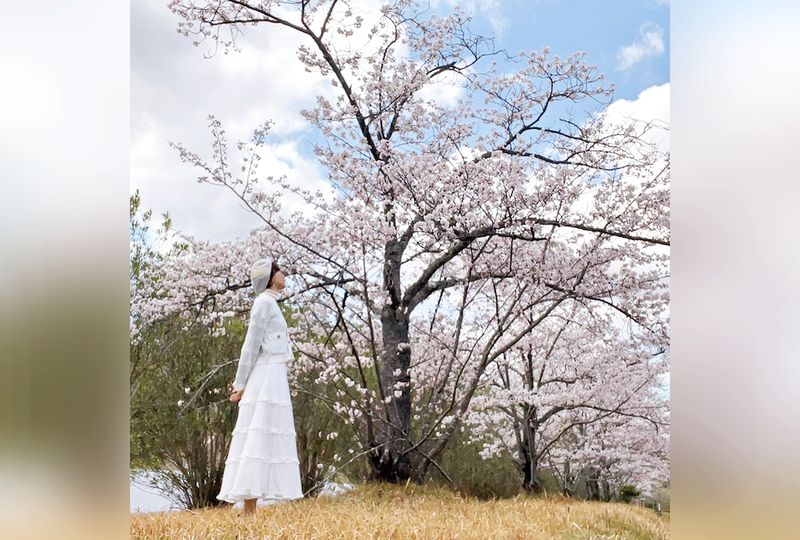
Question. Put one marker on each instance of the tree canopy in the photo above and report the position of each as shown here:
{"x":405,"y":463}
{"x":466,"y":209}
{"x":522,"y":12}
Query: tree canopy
{"x":508,"y":253}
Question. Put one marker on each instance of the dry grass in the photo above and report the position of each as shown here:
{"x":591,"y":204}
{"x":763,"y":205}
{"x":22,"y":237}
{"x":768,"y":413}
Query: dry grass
{"x":410,"y":512}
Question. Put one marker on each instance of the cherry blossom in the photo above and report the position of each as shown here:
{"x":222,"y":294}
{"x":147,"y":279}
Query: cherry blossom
{"x":457,"y":247}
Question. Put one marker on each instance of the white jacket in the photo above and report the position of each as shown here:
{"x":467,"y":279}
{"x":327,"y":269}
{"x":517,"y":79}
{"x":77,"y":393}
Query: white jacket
{"x":267,"y":339}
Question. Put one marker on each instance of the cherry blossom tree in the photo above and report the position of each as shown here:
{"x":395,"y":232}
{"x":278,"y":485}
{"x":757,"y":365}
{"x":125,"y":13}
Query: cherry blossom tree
{"x":616,"y":452}
{"x":577,"y":396}
{"x":453,"y":234}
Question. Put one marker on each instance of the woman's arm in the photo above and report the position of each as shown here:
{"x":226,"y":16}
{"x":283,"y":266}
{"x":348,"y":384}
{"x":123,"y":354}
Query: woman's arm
{"x":259,"y":319}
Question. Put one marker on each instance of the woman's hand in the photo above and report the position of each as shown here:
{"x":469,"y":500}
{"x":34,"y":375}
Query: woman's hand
{"x":236,"y":395}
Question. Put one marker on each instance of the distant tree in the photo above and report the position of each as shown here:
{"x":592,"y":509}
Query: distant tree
{"x":181,"y":420}
{"x":145,"y":262}
{"x":628,"y":493}
{"x":618,"y":451}
{"x":454,"y":232}
{"x":575,"y":376}
{"x":180,"y":371}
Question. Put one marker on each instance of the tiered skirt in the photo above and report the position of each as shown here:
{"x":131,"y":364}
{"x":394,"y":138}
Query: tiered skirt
{"x":262,"y":461}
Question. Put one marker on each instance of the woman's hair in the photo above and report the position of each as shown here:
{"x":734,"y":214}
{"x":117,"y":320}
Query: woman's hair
{"x":275,"y":269}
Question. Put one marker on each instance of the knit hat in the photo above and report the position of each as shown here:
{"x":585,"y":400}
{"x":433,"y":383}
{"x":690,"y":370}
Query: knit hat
{"x":260,"y":274}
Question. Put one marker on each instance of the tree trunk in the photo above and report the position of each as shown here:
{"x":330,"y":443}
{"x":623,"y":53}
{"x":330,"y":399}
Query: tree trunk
{"x":567,"y":487}
{"x":607,"y":493}
{"x":390,"y":460}
{"x":529,"y":462}
{"x":308,"y":464}
{"x":592,"y":485}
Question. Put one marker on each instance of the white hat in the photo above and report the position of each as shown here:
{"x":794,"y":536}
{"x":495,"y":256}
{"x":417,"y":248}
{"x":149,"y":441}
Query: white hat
{"x":260,"y":274}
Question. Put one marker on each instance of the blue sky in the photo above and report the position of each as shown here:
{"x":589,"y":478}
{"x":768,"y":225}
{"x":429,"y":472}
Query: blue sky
{"x":174,"y":88}
{"x":602,"y":29}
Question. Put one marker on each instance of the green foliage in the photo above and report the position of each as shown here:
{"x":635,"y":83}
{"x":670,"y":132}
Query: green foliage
{"x":180,"y":372}
{"x":549,"y":481}
{"x":473,"y":476}
{"x":181,"y":420}
{"x":144,"y":243}
{"x":627,"y":493}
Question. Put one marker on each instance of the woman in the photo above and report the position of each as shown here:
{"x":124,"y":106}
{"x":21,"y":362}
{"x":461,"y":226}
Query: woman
{"x":262,"y":461}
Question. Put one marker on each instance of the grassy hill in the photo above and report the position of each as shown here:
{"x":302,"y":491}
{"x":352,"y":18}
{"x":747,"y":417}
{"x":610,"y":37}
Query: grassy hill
{"x":409,"y":512}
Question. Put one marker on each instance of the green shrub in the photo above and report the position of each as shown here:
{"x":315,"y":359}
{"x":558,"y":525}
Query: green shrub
{"x":627,"y":493}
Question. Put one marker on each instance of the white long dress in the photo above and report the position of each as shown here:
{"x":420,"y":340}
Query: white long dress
{"x":262,"y":461}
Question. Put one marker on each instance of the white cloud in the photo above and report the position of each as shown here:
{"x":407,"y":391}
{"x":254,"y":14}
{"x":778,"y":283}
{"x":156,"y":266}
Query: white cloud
{"x":490,"y":9}
{"x":650,"y":114}
{"x":649,"y":42}
{"x":173,"y":90}
{"x":651,"y":106}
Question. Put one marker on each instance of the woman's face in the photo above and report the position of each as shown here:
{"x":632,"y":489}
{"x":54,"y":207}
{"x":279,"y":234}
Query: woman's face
{"x":278,"y":281}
